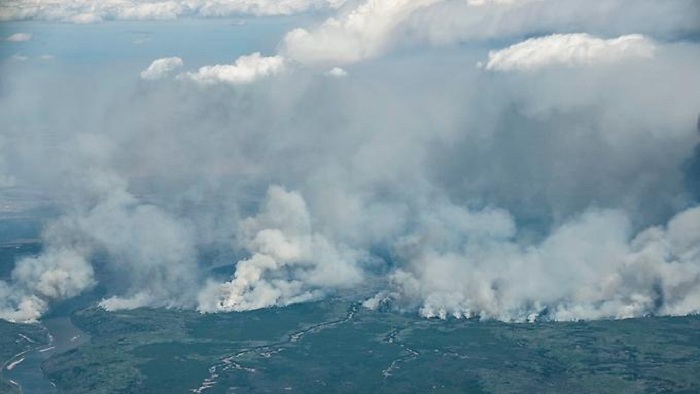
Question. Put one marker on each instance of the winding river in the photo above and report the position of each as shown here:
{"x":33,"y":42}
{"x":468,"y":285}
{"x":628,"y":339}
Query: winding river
{"x":25,"y":369}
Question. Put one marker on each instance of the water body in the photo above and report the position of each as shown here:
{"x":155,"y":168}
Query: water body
{"x":28,"y":373}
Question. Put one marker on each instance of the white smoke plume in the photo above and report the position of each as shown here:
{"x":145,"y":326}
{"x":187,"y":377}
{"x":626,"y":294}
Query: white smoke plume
{"x":568,"y":192}
{"x":56,"y":274}
{"x":592,"y":267}
{"x":149,"y":252}
{"x":289,"y":262}
{"x":146,"y":250}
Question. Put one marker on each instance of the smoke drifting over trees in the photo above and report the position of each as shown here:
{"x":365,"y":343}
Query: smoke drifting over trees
{"x":454,"y":166}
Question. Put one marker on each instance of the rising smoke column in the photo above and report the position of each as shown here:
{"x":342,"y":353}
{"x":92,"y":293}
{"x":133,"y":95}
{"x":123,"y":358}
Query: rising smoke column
{"x":289,"y":262}
{"x":148,"y":252}
{"x":590,"y":268}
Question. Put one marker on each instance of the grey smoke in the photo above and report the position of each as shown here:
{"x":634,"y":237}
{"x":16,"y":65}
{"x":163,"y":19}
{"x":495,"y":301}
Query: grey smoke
{"x":418,"y":179}
{"x":289,"y":262}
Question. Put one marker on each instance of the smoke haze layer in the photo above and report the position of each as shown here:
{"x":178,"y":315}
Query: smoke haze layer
{"x":541,"y":169}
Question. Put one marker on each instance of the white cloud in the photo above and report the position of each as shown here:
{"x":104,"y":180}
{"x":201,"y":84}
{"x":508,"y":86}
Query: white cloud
{"x":373,"y":28}
{"x":163,"y":10}
{"x":569,"y":50}
{"x":454,"y":21}
{"x":495,"y":2}
{"x":161,"y":67}
{"x":361,"y":33}
{"x":217,"y":8}
{"x":246,"y":69}
{"x":87,"y":11}
{"x":84,"y":18}
{"x":19,"y":58}
{"x":19,"y":37}
{"x":337,"y":72}
{"x":142,"y":40}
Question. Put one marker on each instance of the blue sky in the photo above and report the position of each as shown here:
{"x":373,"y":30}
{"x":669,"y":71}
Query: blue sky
{"x":135,"y":43}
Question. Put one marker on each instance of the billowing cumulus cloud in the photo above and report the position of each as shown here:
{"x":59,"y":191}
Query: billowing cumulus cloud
{"x":245,"y":69}
{"x":160,"y":68}
{"x":569,"y":50}
{"x":376,"y":27}
{"x":362,"y":33}
{"x":422,"y":182}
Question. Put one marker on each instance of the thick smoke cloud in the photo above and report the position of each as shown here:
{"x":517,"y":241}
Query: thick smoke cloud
{"x":57,"y":274}
{"x":150,"y":253}
{"x":591,"y":267}
{"x":558,"y":184}
{"x":289,"y":262}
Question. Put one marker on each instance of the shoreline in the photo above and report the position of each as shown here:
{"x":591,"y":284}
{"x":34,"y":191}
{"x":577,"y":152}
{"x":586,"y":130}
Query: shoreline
{"x":13,"y":361}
